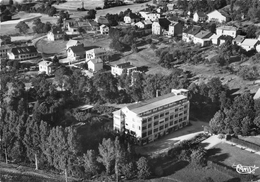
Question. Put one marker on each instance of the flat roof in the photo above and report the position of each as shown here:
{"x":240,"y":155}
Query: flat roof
{"x":249,"y":42}
{"x":155,"y":102}
{"x":225,"y":27}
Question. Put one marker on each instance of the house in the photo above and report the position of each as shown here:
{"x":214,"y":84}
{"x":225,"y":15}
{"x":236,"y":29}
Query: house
{"x":104,"y":29}
{"x":3,"y":50}
{"x":189,"y":33}
{"x":148,"y":23}
{"x":22,"y":53}
{"x":156,"y":28}
{"x":224,"y":38}
{"x":164,"y":23}
{"x":153,"y":16}
{"x":140,"y":25}
{"x":249,"y":44}
{"x":131,"y":18}
{"x":216,"y":16}
{"x":95,"y":64}
{"x":203,"y":38}
{"x":170,"y":6}
{"x":71,"y":26}
{"x":46,"y":66}
{"x":55,"y":33}
{"x":238,"y":40}
{"x":118,"y":69}
{"x":95,"y":53}
{"x":215,"y":39}
{"x":227,"y":30}
{"x":199,"y":17}
{"x":144,"y":14}
{"x":148,"y":120}
{"x":175,"y":28}
{"x":257,"y":95}
{"x":72,"y":42}
{"x":76,"y":53}
{"x":103,"y":20}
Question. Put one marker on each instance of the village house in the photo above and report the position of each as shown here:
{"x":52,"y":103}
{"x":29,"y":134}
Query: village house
{"x":199,"y":17}
{"x":95,"y":53}
{"x":131,"y":18}
{"x":189,"y":33}
{"x":216,"y":16}
{"x":170,"y":6}
{"x":224,"y":38}
{"x":76,"y":53}
{"x":203,"y":38}
{"x":71,"y":26}
{"x":156,"y":28}
{"x":153,"y":16}
{"x":55,"y":33}
{"x":3,"y":50}
{"x":103,"y":20}
{"x":46,"y":67}
{"x":140,"y":24}
{"x":249,"y":44}
{"x":215,"y":39}
{"x":118,"y":69}
{"x":104,"y":29}
{"x":238,"y":40}
{"x":175,"y":28}
{"x":22,"y":53}
{"x":227,"y":30}
{"x":72,"y":42}
{"x":95,"y":65}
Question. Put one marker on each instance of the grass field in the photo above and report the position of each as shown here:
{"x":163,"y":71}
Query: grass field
{"x":252,"y":139}
{"x":230,"y":155}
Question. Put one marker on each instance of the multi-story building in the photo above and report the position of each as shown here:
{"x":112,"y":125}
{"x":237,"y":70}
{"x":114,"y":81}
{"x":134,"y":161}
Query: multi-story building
{"x":118,"y":69}
{"x":227,"y":30}
{"x":148,"y":120}
{"x":22,"y":53}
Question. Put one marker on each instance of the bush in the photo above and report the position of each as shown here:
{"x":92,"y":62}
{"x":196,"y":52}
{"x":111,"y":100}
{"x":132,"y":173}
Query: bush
{"x":143,"y":170}
{"x":245,"y":143}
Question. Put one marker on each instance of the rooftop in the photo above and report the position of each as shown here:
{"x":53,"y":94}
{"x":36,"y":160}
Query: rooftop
{"x":56,"y":30}
{"x":228,"y":28}
{"x":125,"y":65}
{"x":203,"y":34}
{"x":239,"y":38}
{"x":193,"y":30}
{"x":24,"y":50}
{"x":78,"y":50}
{"x":249,"y":42}
{"x":96,"y":61}
{"x":257,"y":94}
{"x":45,"y":63}
{"x":155,"y":102}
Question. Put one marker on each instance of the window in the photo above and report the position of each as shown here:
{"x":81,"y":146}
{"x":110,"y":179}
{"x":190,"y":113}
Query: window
{"x":180,"y":114}
{"x":180,"y":120}
{"x":161,"y":115}
{"x":171,"y":123}
{"x":166,"y":119}
{"x":139,"y":127}
{"x":155,"y":123}
{"x":166,"y":125}
{"x":161,"y":127}
{"x":175,"y":122}
{"x":176,"y":110}
{"x":176,"y":115}
{"x":155,"y":130}
{"x":144,"y":128}
{"x":144,"y":134}
{"x":150,"y":132}
{"x":185,"y":112}
{"x":149,"y":119}
{"x":185,"y":118}
{"x":156,"y":117}
{"x":167,"y":113}
{"x":144,"y":121}
{"x":171,"y":117}
{"x":149,"y":125}
{"x":185,"y":106}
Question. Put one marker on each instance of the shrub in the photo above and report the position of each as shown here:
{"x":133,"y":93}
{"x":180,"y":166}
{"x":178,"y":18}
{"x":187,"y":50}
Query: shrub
{"x":143,"y":170}
{"x":245,"y":143}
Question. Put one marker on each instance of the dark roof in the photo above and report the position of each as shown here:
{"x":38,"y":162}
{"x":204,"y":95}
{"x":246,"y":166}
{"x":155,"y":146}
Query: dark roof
{"x":239,"y":38}
{"x":57,"y":30}
{"x":125,"y":65}
{"x":133,"y":15}
{"x":103,"y":20}
{"x":164,"y":23}
{"x":226,"y":37}
{"x":24,"y":50}
{"x":201,"y":14}
{"x":78,"y":50}
{"x":193,"y":30}
{"x":203,"y":34}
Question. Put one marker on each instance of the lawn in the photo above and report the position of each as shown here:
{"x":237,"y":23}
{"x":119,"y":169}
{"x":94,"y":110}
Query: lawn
{"x":51,"y":47}
{"x":230,"y":155}
{"x":188,"y":174}
{"x":252,"y":139}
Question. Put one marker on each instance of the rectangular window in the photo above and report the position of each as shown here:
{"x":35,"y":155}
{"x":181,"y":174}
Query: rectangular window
{"x":185,"y":118}
{"x":175,"y":122}
{"x":139,"y":127}
{"x":150,"y":132}
{"x":167,"y":113}
{"x":144,"y":134}
{"x":155,"y":130}
{"x":180,"y":114}
{"x":185,"y":112}
{"x":185,"y":106}
{"x":171,"y":117}
{"x":171,"y":123}
{"x":161,"y":127}
{"x":176,"y":115}
{"x":155,"y":123}
{"x":161,"y":115}
{"x":156,"y":117}
{"x":176,"y":110}
{"x":180,"y":120}
{"x":166,"y":125}
{"x":166,"y":119}
{"x":144,"y":128}
{"x":149,"y":119}
{"x":144,"y":121}
{"x":149,"y":125}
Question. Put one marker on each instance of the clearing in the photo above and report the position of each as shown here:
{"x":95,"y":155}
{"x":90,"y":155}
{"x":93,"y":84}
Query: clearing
{"x":165,"y":143}
{"x":230,"y":155}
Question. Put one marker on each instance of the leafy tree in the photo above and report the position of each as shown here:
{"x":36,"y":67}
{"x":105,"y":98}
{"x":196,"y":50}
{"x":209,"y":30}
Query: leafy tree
{"x":22,"y":27}
{"x":143,"y":170}
{"x":198,"y":156}
{"x":107,"y":154}
{"x":90,"y":162}
{"x":116,"y":45}
{"x":128,"y":170}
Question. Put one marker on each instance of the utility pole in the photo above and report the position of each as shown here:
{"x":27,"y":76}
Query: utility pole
{"x":6,"y":156}
{"x":66,"y":175}
{"x":36,"y":161}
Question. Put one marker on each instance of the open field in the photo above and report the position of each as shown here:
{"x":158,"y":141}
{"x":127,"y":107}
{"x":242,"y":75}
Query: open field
{"x":188,"y":174}
{"x":230,"y":155}
{"x":252,"y":139}
{"x":166,"y":142}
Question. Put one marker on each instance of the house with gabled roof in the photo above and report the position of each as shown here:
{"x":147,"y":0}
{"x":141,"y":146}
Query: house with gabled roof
{"x":227,"y":30}
{"x":46,"y":67}
{"x":55,"y":33}
{"x":118,"y":69}
{"x":104,"y":29}
{"x":215,"y":39}
{"x":72,"y":42}
{"x":175,"y":28}
{"x":238,"y":40}
{"x":199,"y":16}
{"x":189,"y":33}
{"x":3,"y":50}
{"x":216,"y":16}
{"x":75,"y":53}
{"x":156,"y":28}
{"x":249,"y":44}
{"x":95,"y":64}
{"x":94,"y":53}
{"x":22,"y":53}
{"x":131,"y":18}
{"x":203,"y":38}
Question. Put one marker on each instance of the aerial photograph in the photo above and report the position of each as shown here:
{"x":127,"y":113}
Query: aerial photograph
{"x":130,"y":91}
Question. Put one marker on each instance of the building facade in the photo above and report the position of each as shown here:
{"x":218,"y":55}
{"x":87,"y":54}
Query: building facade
{"x":148,"y":120}
{"x":175,"y":28}
{"x":118,"y":69}
{"x":22,"y":53}
{"x":156,"y":28}
{"x":227,"y":30}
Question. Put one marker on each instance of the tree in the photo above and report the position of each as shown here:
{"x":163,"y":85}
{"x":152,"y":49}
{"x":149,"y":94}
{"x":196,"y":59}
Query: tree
{"x":134,"y":48}
{"x":217,"y":124}
{"x":90,"y":162}
{"x":22,"y":27}
{"x":107,"y":154}
{"x":52,"y":11}
{"x":91,"y":14}
{"x":128,"y":170}
{"x":198,"y":156}
{"x":143,"y":170}
{"x":116,"y":45}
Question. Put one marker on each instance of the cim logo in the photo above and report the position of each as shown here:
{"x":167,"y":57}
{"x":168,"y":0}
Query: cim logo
{"x":245,"y":169}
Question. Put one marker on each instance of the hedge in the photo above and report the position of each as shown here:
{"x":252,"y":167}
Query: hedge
{"x":229,"y":171}
{"x":245,"y":143}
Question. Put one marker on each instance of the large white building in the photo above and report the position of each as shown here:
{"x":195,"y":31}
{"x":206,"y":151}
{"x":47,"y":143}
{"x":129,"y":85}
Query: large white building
{"x":147,"y":120}
{"x":227,"y":30}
